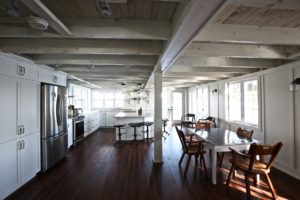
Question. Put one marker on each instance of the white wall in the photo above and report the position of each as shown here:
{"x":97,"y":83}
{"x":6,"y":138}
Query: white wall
{"x":280,"y":119}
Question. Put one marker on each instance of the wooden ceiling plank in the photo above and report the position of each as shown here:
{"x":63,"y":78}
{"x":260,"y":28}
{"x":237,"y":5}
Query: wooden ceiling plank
{"x":41,"y":10}
{"x":232,"y":33}
{"x":80,"y":46}
{"x":94,"y":60}
{"x":239,"y":50}
{"x":100,"y":29}
{"x":193,"y":61}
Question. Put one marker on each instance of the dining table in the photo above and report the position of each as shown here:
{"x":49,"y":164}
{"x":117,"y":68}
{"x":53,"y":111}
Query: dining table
{"x":219,"y":140}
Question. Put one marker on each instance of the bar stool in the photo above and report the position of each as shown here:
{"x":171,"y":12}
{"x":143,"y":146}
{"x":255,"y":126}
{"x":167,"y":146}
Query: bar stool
{"x":119,"y":127}
{"x":134,"y":126}
{"x":147,"y":124}
{"x":164,"y":122}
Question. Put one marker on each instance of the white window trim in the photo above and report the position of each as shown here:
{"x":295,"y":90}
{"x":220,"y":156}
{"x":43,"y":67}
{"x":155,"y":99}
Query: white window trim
{"x":241,"y":81}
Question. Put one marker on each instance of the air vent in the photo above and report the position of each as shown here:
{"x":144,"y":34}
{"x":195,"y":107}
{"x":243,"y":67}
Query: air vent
{"x":37,"y":23}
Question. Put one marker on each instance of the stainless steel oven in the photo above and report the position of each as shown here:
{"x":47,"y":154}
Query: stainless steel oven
{"x":78,"y":129}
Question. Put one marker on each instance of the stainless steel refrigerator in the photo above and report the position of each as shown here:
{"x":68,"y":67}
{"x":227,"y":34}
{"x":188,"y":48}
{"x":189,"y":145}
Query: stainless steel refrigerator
{"x":54,"y":134}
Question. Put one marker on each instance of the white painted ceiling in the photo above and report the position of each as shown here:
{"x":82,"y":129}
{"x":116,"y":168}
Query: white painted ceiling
{"x":225,"y":39}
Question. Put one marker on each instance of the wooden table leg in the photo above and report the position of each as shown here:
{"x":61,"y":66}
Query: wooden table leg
{"x":214,"y":167}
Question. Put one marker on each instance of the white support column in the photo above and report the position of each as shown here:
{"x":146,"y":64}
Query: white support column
{"x":158,"y":154}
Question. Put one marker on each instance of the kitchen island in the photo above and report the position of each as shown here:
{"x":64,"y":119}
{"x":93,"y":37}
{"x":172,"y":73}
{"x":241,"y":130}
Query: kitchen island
{"x":128,"y":131}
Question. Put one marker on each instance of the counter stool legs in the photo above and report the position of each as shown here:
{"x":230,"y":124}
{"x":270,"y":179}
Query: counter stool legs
{"x":119,"y":142}
{"x":134,"y":126}
{"x":147,"y":124}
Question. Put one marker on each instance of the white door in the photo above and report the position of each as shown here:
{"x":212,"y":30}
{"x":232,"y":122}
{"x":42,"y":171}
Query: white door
{"x":8,"y":108}
{"x":30,"y":157}
{"x":177,"y":106}
{"x":29,"y":115}
{"x":8,"y":168}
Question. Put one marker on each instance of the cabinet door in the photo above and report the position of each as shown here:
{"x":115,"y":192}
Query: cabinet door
{"x":70,"y":132}
{"x":28,"y":71}
{"x":8,"y":168}
{"x":8,"y":107}
{"x":110,"y":118}
{"x":29,"y":113}
{"x":30,"y":157}
{"x":8,"y":66}
{"x":102,"y":118}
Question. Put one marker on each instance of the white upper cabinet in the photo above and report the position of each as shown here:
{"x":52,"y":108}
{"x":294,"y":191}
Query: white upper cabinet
{"x":8,"y":107}
{"x":11,"y":67}
{"x":27,"y":71}
{"x":52,"y":77}
{"x":8,"y":66}
{"x":29,"y":106}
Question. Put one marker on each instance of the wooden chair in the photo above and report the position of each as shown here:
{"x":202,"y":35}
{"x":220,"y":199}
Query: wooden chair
{"x":244,"y":134}
{"x":212,"y":120}
{"x":241,"y":133}
{"x":191,"y":147}
{"x":251,"y":166}
{"x":188,"y":120}
{"x":203,"y":125}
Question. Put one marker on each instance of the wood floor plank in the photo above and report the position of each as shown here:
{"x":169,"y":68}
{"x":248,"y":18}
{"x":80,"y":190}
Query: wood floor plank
{"x":96,"y":169}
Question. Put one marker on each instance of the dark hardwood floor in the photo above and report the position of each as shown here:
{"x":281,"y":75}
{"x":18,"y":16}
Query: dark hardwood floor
{"x":95,"y":169}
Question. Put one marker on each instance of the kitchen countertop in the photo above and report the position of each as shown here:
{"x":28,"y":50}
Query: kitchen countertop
{"x":128,"y":115}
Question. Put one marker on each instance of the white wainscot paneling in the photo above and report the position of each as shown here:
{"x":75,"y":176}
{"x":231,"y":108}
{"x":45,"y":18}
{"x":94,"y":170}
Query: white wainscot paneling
{"x":278,"y":114}
{"x":297,"y":121}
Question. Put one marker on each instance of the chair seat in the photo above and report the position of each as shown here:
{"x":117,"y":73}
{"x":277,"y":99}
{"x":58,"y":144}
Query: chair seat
{"x":258,"y":167}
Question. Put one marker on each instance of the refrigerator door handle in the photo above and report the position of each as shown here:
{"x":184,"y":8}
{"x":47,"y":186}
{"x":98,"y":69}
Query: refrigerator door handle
{"x":58,"y":115}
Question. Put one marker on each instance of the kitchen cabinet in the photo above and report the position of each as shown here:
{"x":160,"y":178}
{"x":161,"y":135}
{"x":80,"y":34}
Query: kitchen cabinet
{"x":18,"y":69}
{"x":20,"y":127}
{"x":52,"y":77}
{"x":110,"y":116}
{"x":9,"y":181}
{"x":8,"y":107}
{"x":91,"y":123}
{"x":29,"y":112}
{"x":20,"y":161}
{"x":70,"y":132}
{"x":29,"y":157}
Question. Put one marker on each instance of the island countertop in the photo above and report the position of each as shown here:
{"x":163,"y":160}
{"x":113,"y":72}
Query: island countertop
{"x":128,"y":115}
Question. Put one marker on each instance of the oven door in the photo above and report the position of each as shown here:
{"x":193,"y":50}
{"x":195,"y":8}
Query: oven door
{"x":78,"y":130}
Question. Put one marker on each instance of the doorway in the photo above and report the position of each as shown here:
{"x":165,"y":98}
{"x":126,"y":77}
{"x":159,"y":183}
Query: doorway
{"x":173,"y":105}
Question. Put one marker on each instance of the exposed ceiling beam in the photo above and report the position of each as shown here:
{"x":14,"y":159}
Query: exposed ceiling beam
{"x":274,"y":4}
{"x":239,"y":50}
{"x":224,"y":70}
{"x":41,"y":10}
{"x":94,"y":60}
{"x":110,"y":74}
{"x":233,"y":33}
{"x":194,"y":17}
{"x":91,"y":28}
{"x":95,"y":68}
{"x":196,"y":74}
{"x":88,"y":78}
{"x":196,"y":78}
{"x":80,"y":46}
{"x":194,"y":61}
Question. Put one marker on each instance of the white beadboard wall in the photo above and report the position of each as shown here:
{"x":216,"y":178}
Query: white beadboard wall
{"x":280,"y":116}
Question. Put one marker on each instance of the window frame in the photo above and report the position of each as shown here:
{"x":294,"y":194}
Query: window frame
{"x":242,"y":82}
{"x":105,"y":99}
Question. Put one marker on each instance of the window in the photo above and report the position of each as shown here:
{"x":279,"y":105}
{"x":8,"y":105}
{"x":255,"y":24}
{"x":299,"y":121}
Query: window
{"x":102,"y":99}
{"x":243,"y":102}
{"x":202,"y":102}
{"x":80,"y":97}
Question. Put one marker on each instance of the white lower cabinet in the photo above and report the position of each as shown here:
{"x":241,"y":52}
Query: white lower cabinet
{"x":20,"y":161}
{"x":30,"y":157}
{"x":9,"y":156}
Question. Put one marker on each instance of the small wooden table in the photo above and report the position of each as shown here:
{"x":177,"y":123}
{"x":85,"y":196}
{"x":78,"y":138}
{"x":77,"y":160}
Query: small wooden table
{"x":219,"y":140}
